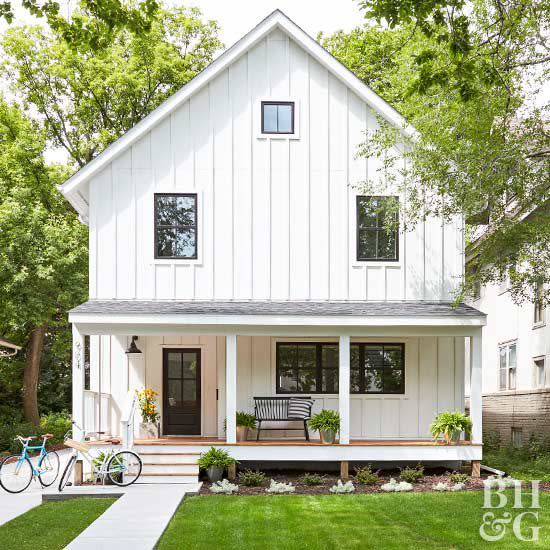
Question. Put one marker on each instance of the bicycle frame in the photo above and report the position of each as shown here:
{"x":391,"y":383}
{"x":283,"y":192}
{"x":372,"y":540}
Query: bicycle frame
{"x":25,"y":455}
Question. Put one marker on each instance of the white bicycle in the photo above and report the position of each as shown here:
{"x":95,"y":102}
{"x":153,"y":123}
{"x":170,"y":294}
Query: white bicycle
{"x":121,"y":467}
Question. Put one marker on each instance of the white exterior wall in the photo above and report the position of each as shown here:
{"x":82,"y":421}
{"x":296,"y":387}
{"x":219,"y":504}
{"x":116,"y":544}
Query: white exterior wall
{"x":508,"y":323}
{"x":276,"y":216}
{"x":434,"y":382}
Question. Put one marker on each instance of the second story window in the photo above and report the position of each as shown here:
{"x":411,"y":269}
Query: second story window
{"x":277,"y":117}
{"x":176,"y":226}
{"x":507,"y":367}
{"x":539,"y":305}
{"x":376,"y":241}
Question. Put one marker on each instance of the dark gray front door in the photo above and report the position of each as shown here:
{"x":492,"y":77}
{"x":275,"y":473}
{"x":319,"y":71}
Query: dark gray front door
{"x":182,"y":392}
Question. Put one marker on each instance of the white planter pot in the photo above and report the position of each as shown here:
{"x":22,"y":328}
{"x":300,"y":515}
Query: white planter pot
{"x":148,"y":430}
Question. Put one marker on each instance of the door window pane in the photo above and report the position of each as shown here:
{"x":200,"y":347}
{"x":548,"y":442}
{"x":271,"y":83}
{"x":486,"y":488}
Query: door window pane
{"x":189,"y":390}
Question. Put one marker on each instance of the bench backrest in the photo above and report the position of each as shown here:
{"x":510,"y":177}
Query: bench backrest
{"x":273,"y":408}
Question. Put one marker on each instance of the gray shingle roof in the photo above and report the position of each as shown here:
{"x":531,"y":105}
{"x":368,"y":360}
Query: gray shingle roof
{"x":360,"y":309}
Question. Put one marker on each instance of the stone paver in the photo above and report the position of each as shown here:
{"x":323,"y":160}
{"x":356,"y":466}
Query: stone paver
{"x":136,"y":520}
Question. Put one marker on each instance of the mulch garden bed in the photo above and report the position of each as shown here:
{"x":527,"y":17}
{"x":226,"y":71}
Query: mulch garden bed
{"x":431,"y":478}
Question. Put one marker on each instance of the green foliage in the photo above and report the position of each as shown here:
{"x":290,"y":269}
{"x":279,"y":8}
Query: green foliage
{"x":325,"y":420}
{"x":447,"y":424}
{"x":251,"y":478}
{"x":312,"y":479}
{"x":366,"y":476}
{"x":457,"y":477}
{"x":87,"y":100}
{"x":246,"y":420}
{"x":217,"y":458}
{"x":491,"y":441}
{"x":412,"y":475}
{"x":57,"y":424}
{"x":518,"y":464}
{"x":537,"y":446}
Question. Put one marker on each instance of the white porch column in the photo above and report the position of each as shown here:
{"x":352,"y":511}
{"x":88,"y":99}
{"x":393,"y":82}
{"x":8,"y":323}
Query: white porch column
{"x":231,"y":387}
{"x":343,"y":388}
{"x":78,"y":383}
{"x":476,"y":386}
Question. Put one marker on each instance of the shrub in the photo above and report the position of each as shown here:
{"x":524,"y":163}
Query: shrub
{"x":491,"y":441}
{"x":312,"y":479}
{"x":412,"y":475}
{"x":393,"y":486}
{"x":457,"y":477}
{"x":243,"y":419}
{"x":251,"y":478}
{"x":365,"y":476}
{"x":326,"y":420}
{"x":217,"y":458}
{"x":537,"y":446}
{"x":224,"y":486}
{"x":342,"y":488}
{"x":276,"y":487}
{"x":444,"y":487}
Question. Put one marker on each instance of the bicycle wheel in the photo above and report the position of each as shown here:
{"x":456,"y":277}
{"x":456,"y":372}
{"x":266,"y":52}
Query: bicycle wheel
{"x":48,"y":468}
{"x":66,"y":473}
{"x":124,"y":468}
{"x":15,"y":473}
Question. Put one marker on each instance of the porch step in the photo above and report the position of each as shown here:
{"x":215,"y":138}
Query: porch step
{"x":157,"y":468}
{"x":161,"y":465}
{"x":168,"y":478}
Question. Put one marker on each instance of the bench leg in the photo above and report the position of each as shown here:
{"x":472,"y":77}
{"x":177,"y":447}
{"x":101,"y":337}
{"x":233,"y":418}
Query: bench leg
{"x":258,"y":431}
{"x":305,"y":430}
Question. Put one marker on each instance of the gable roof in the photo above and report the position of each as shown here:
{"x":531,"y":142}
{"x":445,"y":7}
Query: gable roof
{"x":277,"y":19}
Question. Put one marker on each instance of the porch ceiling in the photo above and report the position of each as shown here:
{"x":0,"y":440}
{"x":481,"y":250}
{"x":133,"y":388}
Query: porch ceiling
{"x":275,"y":318}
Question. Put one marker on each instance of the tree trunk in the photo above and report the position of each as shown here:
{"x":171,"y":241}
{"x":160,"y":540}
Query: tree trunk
{"x":31,"y":374}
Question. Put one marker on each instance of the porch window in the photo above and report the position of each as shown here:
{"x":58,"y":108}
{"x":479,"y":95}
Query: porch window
{"x":176,"y":226}
{"x":376,"y":241}
{"x":507,"y":367}
{"x":377,"y":368}
{"x":310,"y":367}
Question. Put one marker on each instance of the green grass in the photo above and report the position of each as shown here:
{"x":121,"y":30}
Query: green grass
{"x":518,"y":465}
{"x":389,"y":521}
{"x":52,"y":525}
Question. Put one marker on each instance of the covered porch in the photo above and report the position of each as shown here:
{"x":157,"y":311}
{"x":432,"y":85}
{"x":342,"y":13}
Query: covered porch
{"x":236,"y":344}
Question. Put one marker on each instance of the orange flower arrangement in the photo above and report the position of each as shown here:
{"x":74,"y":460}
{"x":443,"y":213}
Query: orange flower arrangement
{"x":146,"y":399}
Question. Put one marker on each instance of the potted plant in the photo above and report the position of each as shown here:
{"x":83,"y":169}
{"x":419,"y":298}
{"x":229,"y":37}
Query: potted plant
{"x":327,"y":423}
{"x":450,"y":425}
{"x":245,"y":422}
{"x":149,"y":426}
{"x":215,"y":461}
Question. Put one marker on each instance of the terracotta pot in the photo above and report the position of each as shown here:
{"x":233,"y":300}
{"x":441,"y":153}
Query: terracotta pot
{"x":214,"y":474}
{"x":148,"y":430}
{"x":328,"y":437}
{"x":242,"y":433}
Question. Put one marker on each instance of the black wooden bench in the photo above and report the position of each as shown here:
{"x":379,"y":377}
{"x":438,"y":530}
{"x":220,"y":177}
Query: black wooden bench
{"x":276,"y":409}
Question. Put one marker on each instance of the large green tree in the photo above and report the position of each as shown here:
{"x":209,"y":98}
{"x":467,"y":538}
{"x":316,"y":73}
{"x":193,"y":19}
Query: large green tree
{"x":464,"y":80}
{"x":78,"y":98}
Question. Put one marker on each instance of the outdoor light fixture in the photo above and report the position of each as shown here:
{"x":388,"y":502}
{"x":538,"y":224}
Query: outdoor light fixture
{"x":133,"y":348}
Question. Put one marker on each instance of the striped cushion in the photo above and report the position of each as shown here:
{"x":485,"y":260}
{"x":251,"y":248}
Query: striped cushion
{"x":299,"y":408}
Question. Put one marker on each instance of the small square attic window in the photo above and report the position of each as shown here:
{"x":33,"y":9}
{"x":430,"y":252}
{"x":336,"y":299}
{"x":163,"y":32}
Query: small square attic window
{"x":277,"y":117}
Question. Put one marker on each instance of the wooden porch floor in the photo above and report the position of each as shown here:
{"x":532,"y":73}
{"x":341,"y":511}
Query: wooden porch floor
{"x":297,"y":442}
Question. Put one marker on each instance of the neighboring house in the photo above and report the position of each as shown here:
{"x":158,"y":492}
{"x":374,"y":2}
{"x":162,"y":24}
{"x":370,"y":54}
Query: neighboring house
{"x":516,"y":366}
{"x":227,"y":234}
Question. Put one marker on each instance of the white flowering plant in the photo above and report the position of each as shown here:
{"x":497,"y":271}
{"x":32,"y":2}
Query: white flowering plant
{"x":396,"y":487}
{"x":342,"y":488}
{"x":276,"y":487}
{"x":224,"y":486}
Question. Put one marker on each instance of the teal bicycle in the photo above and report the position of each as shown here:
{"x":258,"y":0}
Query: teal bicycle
{"x":17,"y":471}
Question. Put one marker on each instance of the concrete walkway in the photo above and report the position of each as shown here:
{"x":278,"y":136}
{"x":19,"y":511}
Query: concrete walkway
{"x":136,"y":520}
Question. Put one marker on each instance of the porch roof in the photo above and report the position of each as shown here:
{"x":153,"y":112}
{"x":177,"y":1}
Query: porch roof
{"x":142,"y":317}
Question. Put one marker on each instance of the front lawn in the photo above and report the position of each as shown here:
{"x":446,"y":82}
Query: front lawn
{"x":413,"y":520}
{"x":51,"y":525}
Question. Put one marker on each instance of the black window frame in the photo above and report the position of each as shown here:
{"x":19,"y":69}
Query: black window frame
{"x":377,"y":228}
{"x":157,"y":226}
{"x":320,"y":368}
{"x":292,"y":117}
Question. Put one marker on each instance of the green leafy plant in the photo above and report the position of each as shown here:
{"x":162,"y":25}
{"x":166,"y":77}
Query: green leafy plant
{"x":312,"y":479}
{"x":365,"y":475}
{"x":243,"y":420}
{"x":215,"y":458}
{"x":326,"y":420}
{"x":412,"y":475}
{"x":457,"y":477}
{"x":491,"y":441}
{"x":448,"y":424}
{"x":252,"y":478}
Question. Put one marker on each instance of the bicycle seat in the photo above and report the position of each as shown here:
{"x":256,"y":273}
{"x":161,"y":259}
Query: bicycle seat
{"x":113,"y":440}
{"x":47,"y":436}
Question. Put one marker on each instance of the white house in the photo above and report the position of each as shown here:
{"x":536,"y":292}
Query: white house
{"x":228,"y":234}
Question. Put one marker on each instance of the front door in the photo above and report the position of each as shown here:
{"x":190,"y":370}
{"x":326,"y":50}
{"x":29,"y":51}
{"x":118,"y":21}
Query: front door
{"x":182,"y":392}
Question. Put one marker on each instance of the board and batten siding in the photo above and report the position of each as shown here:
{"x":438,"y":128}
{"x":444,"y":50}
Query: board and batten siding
{"x":276,"y":216}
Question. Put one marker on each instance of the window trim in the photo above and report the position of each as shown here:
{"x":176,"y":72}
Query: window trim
{"x":193,"y":258}
{"x":319,"y":368}
{"x":537,"y":369}
{"x":363,"y":261}
{"x":539,"y":308}
{"x":507,"y":368}
{"x":277,"y":103}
